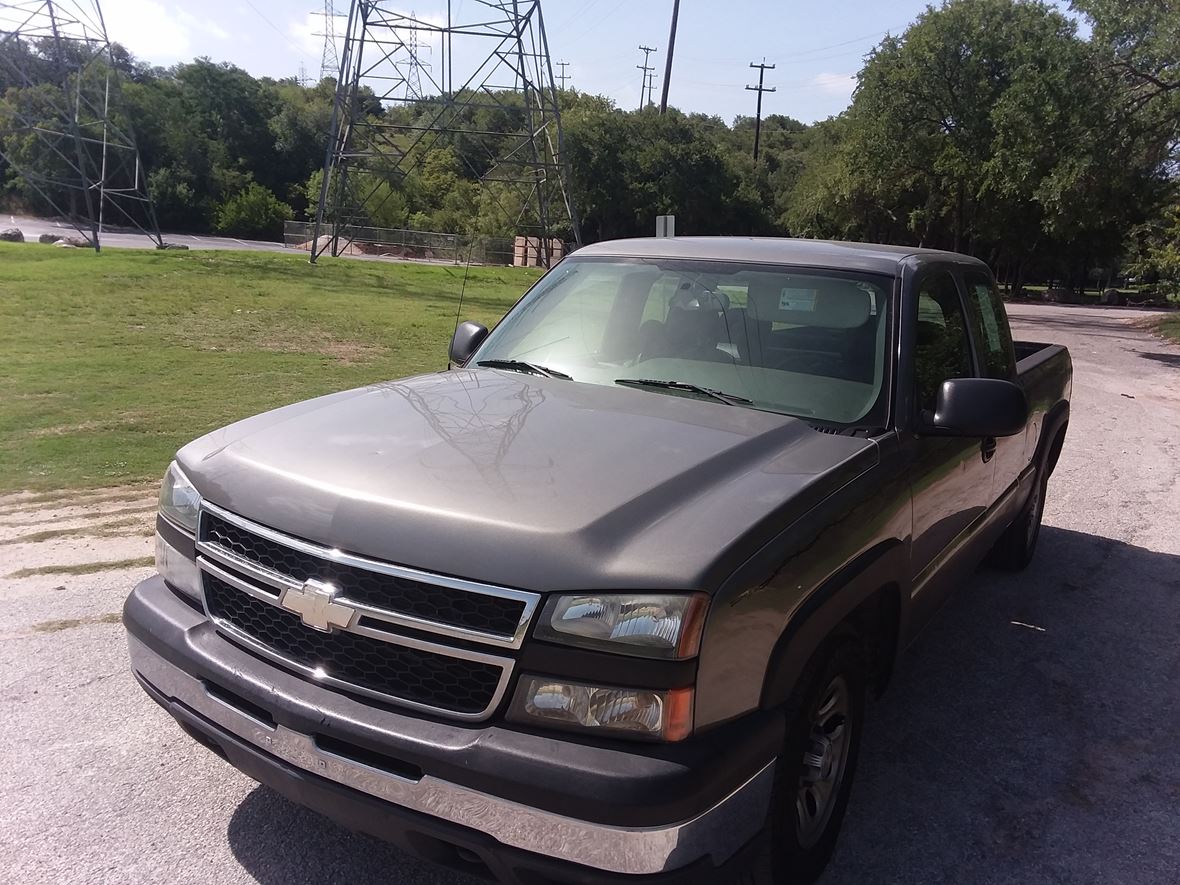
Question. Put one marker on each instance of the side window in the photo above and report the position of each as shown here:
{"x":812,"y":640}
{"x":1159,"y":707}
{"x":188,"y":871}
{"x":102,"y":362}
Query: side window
{"x":990,"y":324}
{"x":943,"y":350}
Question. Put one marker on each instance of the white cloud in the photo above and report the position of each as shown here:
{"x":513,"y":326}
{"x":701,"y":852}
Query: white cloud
{"x":206,"y":26}
{"x":155,"y":31}
{"x":149,"y":29}
{"x":307,"y":33}
{"x":840,"y":85}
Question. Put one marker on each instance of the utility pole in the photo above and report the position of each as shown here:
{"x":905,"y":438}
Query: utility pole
{"x":760,"y":88}
{"x":671,"y":50}
{"x":563,"y":76}
{"x":644,"y":85}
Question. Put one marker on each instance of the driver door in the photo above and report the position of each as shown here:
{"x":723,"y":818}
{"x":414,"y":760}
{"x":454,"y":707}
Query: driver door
{"x":951,"y":478}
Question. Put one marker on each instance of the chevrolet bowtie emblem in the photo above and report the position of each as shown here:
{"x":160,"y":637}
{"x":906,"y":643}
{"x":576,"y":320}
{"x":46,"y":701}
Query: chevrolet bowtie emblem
{"x":315,"y":603}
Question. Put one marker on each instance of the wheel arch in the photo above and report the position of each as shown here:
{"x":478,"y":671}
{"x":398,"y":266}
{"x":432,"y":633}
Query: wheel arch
{"x":863,"y":599}
{"x":1052,"y":439}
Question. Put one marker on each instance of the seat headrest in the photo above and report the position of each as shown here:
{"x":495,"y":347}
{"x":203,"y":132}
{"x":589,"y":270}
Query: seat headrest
{"x":809,"y":301}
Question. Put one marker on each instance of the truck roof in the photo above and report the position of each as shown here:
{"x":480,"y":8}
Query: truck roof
{"x":871,"y":257}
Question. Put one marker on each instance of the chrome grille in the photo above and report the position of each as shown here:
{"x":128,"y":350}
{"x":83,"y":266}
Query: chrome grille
{"x":379,"y":668}
{"x":247,"y":567}
{"x":396,"y":594}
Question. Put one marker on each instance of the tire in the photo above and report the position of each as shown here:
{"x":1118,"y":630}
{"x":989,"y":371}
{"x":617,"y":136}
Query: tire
{"x":1014,"y":549}
{"x":803,"y":829}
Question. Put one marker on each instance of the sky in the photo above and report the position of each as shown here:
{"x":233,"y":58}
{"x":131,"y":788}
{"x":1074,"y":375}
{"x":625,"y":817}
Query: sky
{"x":817,"y":47}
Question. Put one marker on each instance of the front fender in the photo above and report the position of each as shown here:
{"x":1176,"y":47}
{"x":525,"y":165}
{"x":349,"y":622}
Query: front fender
{"x":867,"y":593}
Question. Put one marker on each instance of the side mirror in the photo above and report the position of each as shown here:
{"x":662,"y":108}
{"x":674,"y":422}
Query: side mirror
{"x":980,"y":407}
{"x":466,"y":341}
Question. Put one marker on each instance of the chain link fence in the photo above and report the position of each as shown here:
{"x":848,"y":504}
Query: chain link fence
{"x":406,"y":245}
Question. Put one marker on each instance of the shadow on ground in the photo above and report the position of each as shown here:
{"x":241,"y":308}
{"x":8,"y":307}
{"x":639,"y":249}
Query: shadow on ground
{"x":278,"y":843}
{"x":1168,"y":359}
{"x":1030,"y":735}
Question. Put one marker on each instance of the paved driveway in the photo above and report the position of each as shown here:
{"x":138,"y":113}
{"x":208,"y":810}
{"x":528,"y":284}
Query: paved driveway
{"x":1031,"y":735}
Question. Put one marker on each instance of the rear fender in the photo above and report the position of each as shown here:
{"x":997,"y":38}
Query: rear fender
{"x":1052,"y":436}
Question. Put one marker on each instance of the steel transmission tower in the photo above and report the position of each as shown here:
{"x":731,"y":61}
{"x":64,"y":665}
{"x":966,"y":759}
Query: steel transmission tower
{"x":70,"y":141}
{"x":490,"y":96}
{"x":329,"y":60}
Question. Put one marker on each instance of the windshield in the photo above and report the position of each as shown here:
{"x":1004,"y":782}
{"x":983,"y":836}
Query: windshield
{"x":803,"y":342}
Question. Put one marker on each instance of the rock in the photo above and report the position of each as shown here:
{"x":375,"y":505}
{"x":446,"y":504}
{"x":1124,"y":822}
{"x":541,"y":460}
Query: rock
{"x":172,"y":246}
{"x":62,"y":244}
{"x":79,"y":242}
{"x":12,"y":235}
{"x":1112,"y":296}
{"x":49,"y":238}
{"x":1058,"y":295}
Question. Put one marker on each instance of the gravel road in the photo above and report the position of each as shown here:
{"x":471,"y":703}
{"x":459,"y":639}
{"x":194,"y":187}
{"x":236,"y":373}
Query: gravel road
{"x":1031,"y":735}
{"x":33,"y":228}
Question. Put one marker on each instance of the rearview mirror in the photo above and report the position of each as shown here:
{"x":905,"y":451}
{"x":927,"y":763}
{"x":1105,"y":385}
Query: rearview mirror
{"x":980,"y":407}
{"x":466,"y":341}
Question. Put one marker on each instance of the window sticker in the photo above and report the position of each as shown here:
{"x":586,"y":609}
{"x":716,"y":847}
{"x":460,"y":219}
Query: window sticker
{"x":991,"y":327}
{"x":797,"y":299}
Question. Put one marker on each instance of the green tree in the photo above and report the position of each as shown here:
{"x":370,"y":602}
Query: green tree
{"x":985,"y":128}
{"x":1142,"y":41}
{"x":253,"y":212}
{"x":1156,"y":256}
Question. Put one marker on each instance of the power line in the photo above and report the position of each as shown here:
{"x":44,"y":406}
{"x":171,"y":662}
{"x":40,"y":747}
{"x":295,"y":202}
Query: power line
{"x":760,"y":88}
{"x":645,"y":83}
{"x":277,"y":30}
{"x":563,"y":76}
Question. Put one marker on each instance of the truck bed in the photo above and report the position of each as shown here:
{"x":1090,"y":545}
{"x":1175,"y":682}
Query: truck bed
{"x":1046,"y":373}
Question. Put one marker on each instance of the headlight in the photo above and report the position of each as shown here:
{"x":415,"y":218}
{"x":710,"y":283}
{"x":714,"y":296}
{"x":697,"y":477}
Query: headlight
{"x":630,"y":712}
{"x":177,"y":569}
{"x":179,"y":501}
{"x":648,"y":625}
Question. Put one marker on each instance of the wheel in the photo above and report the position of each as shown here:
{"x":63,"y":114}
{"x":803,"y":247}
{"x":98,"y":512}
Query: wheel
{"x":813,"y":775}
{"x":1014,"y":549}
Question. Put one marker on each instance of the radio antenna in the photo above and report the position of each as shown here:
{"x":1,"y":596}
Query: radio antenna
{"x":463,"y":288}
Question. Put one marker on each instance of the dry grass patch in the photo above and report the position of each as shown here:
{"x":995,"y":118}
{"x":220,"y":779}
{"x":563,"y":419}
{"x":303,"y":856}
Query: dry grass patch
{"x":84,"y":568}
{"x":71,"y":623}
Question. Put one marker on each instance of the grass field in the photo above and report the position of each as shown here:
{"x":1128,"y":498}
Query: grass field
{"x":109,"y":363}
{"x":1169,"y":327}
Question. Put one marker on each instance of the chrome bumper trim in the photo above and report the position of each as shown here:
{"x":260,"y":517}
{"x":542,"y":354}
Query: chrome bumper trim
{"x":717,"y":833}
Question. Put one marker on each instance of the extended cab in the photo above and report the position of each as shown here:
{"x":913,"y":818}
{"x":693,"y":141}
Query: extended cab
{"x":604,"y":601}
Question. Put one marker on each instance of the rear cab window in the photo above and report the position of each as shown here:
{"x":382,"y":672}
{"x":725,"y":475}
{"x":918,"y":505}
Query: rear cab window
{"x":989,"y":325}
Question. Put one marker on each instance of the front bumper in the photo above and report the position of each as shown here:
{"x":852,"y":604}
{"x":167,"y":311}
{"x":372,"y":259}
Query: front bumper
{"x":513,"y":800}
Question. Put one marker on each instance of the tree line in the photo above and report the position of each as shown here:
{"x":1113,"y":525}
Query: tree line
{"x":993,"y":127}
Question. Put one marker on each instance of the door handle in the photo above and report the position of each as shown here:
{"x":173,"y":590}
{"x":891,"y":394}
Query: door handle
{"x":987,"y":448}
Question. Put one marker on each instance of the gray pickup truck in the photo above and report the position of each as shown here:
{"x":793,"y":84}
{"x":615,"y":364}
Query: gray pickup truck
{"x":603,"y":602}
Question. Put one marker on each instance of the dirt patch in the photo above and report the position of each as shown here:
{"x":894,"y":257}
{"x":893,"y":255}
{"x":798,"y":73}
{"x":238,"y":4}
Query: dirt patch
{"x":347,"y":352}
{"x":46,"y":537}
{"x":255,"y":330}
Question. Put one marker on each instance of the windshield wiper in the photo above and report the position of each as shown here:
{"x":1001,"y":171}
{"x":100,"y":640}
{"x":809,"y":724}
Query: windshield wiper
{"x":522,"y":366}
{"x":729,"y":399}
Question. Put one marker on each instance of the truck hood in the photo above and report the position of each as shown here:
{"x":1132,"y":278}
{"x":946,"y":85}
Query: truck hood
{"x":527,"y":482}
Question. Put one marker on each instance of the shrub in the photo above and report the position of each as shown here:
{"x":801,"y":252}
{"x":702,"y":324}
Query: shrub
{"x":254,"y":212}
